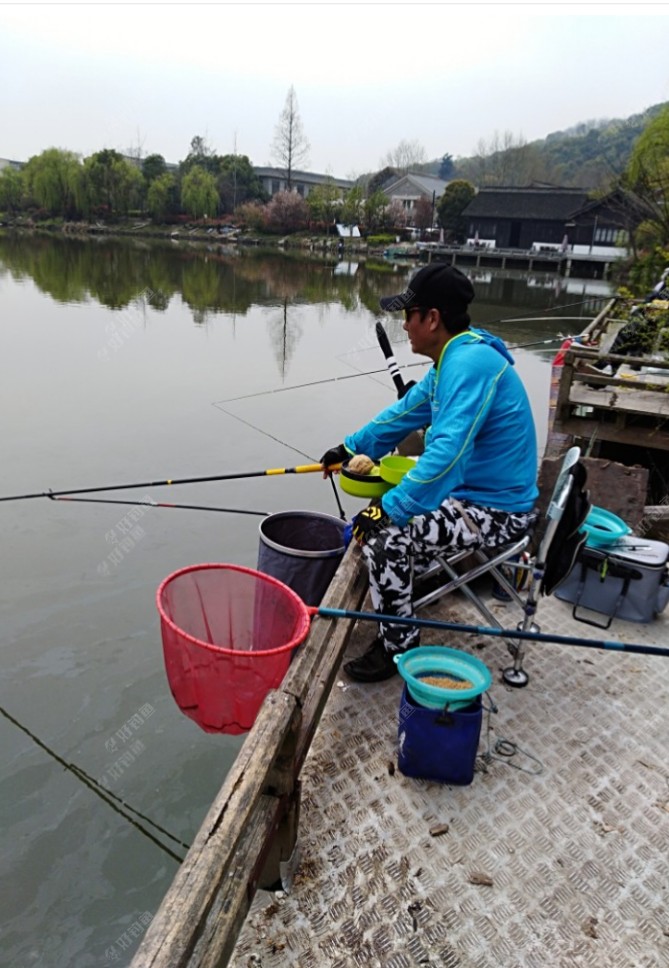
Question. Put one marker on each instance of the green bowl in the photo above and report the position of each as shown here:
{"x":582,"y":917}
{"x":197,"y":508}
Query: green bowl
{"x":362,"y":485}
{"x":394,"y":468}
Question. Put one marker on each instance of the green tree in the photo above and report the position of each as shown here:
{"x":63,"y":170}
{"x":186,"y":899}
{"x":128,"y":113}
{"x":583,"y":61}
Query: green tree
{"x":161,"y":197}
{"x":324,"y":201}
{"x":380,"y":178}
{"x":446,"y":167}
{"x":52,"y":180}
{"x":202,"y":155}
{"x":153,"y":167}
{"x":647,"y":176}
{"x":110,"y":183}
{"x":353,"y":207}
{"x":199,"y":196}
{"x":457,"y":196}
{"x":375,"y":208}
{"x":237,"y":182}
{"x":12,"y":189}
{"x":290,"y":148}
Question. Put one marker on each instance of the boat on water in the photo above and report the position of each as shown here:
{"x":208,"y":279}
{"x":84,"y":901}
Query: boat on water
{"x":402,"y":251}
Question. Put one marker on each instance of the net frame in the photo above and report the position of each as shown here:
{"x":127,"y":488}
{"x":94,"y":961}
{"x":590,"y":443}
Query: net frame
{"x":303,"y":612}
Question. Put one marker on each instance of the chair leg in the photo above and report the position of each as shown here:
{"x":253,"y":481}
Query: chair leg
{"x":486,"y":565}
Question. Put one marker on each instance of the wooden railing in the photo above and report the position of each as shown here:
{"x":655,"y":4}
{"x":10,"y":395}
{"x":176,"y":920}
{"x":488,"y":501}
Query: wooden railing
{"x":251,"y":826}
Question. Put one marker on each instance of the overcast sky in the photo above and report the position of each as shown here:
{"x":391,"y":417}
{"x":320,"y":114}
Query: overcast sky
{"x":90,"y":76}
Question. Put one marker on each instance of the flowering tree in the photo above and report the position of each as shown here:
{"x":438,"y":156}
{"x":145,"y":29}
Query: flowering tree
{"x":287,"y":212}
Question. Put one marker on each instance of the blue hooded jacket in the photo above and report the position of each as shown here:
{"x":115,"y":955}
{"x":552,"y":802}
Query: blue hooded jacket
{"x":480,"y":445}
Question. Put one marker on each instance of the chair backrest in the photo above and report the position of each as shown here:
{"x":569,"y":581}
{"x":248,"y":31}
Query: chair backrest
{"x":567,"y":510}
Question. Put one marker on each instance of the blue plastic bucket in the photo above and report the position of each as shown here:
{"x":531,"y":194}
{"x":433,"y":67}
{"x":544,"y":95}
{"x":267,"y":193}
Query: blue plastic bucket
{"x":603,"y":528}
{"x":439,"y":661}
{"x":438,"y":745}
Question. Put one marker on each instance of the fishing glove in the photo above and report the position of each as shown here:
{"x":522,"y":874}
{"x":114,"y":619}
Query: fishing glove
{"x":335,"y":456}
{"x":369,"y":521}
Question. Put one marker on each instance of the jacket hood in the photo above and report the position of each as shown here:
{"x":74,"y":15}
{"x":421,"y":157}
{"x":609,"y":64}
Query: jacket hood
{"x":494,"y":341}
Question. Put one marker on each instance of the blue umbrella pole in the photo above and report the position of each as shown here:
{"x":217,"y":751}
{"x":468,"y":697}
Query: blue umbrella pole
{"x":610,"y":644}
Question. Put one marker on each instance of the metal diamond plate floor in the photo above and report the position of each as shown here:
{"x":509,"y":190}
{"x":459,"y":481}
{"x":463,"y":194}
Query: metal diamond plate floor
{"x":561,"y":869}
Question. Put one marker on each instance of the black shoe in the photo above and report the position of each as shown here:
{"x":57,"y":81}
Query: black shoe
{"x":375,"y":665}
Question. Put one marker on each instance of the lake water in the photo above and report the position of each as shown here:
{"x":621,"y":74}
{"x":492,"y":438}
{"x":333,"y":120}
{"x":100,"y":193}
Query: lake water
{"x":120,"y":362}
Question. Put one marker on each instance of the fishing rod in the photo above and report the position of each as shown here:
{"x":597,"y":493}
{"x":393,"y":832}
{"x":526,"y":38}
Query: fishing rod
{"x":517,"y":319}
{"x":270,"y":472}
{"x":611,"y":644}
{"x":387,"y":351}
{"x":159,"y":504}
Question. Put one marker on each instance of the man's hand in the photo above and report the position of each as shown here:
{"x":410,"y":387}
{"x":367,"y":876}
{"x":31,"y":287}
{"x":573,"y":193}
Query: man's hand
{"x":333,"y":456}
{"x":369,"y":521}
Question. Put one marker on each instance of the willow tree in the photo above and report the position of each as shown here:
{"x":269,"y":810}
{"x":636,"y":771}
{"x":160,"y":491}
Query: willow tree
{"x":12,"y":189}
{"x":647,"y":176}
{"x":290,"y":147}
{"x":52,"y":180}
{"x":199,"y":196}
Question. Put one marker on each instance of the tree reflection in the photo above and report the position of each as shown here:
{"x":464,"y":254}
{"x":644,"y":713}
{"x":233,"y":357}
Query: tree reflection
{"x":284,"y":335}
{"x":209,"y":279}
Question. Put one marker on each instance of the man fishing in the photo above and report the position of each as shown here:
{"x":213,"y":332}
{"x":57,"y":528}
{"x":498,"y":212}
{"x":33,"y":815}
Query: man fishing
{"x":474,"y":485}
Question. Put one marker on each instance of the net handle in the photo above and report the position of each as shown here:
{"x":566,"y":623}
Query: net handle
{"x":304,"y":613}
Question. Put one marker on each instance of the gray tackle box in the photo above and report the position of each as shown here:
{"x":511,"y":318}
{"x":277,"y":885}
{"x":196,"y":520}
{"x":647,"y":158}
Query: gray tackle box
{"x":628,"y":580}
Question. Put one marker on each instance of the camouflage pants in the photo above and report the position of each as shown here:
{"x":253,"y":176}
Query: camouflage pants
{"x":394,"y":555}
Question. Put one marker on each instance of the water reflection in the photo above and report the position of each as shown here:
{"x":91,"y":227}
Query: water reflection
{"x":209,"y":279}
{"x":214,"y":279}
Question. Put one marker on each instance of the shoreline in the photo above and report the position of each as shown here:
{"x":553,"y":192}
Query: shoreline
{"x":330,"y":245}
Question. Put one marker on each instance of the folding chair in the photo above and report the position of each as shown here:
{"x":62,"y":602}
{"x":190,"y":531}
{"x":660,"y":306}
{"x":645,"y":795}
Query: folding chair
{"x":489,"y":561}
{"x":561,"y":542}
{"x":558,"y":550}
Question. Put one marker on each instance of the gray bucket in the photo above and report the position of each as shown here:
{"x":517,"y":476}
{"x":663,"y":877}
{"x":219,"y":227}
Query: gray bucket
{"x":303,"y":550}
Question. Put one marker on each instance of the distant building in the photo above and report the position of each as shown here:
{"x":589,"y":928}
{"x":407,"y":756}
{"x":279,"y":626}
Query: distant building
{"x":274,"y":180}
{"x":520,"y":218}
{"x":544,"y":218}
{"x":8,"y":163}
{"x":408,"y":189}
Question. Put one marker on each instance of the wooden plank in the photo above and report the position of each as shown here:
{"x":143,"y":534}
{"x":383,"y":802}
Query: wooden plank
{"x":182,"y":916}
{"x":588,"y":428}
{"x":647,"y":402}
{"x":231,"y":904}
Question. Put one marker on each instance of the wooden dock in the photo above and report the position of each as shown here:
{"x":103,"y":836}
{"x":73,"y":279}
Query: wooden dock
{"x":592,"y":265}
{"x":628,"y":406}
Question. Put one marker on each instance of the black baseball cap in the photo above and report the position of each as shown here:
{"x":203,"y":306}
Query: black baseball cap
{"x":436,"y":286}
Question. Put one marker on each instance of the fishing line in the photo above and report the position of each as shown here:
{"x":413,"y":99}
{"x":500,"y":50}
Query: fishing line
{"x":342,"y":513}
{"x":102,"y":792}
{"x":349,"y":376}
{"x":263,"y":432}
